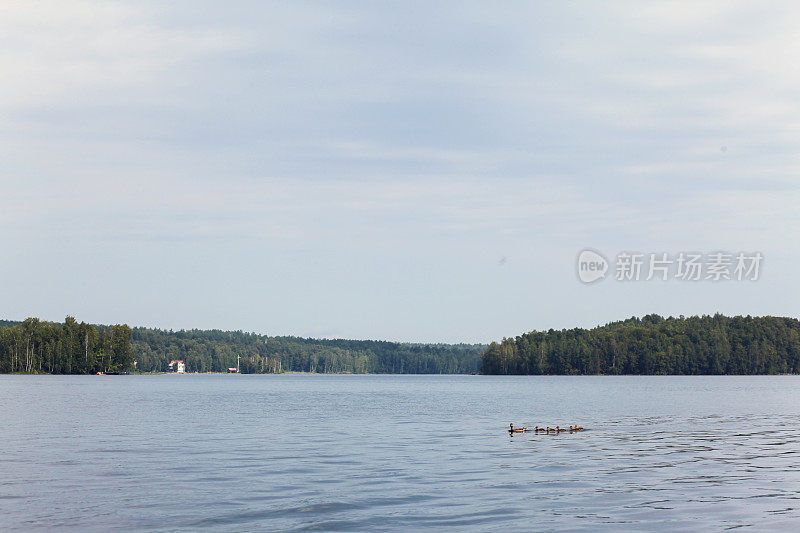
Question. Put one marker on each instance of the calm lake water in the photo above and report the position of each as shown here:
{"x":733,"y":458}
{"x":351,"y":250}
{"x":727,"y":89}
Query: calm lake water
{"x":348,"y":452}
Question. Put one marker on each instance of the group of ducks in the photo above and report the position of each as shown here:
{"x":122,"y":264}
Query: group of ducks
{"x":556,"y":430}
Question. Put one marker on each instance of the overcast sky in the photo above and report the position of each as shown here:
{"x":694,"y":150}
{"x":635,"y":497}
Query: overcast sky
{"x":411,"y":171}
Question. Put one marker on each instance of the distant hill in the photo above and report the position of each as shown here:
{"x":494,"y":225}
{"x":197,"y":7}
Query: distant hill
{"x":216,"y":350}
{"x":47,"y":349}
{"x":655,"y":345}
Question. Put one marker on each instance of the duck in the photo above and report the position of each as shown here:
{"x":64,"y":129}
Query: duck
{"x":575,"y":428}
{"x":559,"y":429}
{"x":512,"y":429}
{"x":537,"y":429}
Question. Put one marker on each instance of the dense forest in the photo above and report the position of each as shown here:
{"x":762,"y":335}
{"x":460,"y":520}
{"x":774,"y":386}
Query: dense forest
{"x":655,"y":345}
{"x":71,"y":348}
{"x":34,"y":346}
{"x":217,"y":350}
{"x":650,"y":345}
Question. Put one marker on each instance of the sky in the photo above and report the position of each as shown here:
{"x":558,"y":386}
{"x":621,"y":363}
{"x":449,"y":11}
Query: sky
{"x":414,"y":171}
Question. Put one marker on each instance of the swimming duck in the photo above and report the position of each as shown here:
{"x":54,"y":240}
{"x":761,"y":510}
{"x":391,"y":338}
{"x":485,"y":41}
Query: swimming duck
{"x":512,"y":429}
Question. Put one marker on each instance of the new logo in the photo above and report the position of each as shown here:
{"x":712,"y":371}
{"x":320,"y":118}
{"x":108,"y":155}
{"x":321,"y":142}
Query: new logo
{"x":591,"y":266}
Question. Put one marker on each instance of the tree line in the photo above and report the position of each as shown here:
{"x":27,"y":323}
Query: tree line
{"x":648,"y":345}
{"x":655,"y":345}
{"x":35,"y":346}
{"x":216,"y":350}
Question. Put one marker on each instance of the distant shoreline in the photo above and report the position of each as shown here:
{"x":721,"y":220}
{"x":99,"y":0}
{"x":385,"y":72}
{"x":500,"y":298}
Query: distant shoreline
{"x":785,"y":374}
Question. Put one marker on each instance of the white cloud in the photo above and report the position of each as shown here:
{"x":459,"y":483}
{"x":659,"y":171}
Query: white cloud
{"x":70,"y":52}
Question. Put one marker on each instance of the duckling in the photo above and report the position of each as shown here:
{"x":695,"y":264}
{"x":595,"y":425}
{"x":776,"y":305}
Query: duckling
{"x":559,"y":429}
{"x":537,"y":429}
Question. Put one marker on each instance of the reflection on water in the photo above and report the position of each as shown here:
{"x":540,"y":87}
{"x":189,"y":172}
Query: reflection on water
{"x":307,"y":452}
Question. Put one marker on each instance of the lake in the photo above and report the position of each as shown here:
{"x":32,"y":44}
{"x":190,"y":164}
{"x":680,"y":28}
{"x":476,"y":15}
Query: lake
{"x":381,"y":452}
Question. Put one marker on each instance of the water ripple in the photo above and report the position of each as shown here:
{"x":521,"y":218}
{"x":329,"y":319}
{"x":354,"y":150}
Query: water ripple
{"x":389,"y":453}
